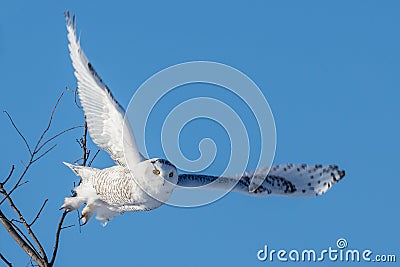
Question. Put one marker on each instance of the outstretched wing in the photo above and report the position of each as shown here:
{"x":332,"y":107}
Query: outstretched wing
{"x":104,"y":115}
{"x":295,"y":180}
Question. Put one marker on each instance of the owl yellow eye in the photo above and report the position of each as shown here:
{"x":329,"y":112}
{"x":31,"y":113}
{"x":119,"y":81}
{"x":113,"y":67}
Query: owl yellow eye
{"x":171,"y":174}
{"x":156,"y":172}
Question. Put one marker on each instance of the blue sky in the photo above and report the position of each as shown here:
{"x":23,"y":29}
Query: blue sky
{"x":329,"y":71}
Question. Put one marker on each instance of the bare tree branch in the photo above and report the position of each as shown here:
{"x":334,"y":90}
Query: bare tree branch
{"x":19,"y":230}
{"x":84,"y":147}
{"x":75,"y":92}
{"x":19,"y":132}
{"x":44,"y":153}
{"x":18,"y":183}
{"x":39,"y":145}
{"x":95,"y":155}
{"x":8,"y":177}
{"x":27,"y":227}
{"x":24,"y":236}
{"x":57,"y":135}
{"x":56,"y":243}
{"x":28,"y":249}
{"x":38,"y":214}
{"x":68,"y":226}
{"x":49,"y":123}
{"x":5,"y":260}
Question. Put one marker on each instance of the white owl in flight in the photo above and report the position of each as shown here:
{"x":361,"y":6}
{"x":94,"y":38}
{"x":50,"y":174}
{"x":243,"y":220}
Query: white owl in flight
{"x":112,"y":191}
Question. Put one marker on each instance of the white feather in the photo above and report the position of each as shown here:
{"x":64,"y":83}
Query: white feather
{"x":104,"y":116}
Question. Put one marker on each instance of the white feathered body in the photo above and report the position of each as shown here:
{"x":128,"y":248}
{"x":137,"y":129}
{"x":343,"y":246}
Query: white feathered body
{"x":117,"y":189}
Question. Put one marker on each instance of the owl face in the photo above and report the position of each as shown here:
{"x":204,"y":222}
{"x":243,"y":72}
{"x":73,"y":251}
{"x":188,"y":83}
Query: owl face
{"x":164,"y":169}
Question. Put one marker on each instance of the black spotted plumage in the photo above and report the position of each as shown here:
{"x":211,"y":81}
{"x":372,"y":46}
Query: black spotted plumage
{"x":286,"y":180}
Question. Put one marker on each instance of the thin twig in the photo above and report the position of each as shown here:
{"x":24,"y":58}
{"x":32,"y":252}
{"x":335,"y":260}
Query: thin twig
{"x":95,"y":155}
{"x":17,"y":184}
{"x":38,"y":214}
{"x":44,"y":153}
{"x":19,"y":132}
{"x":56,"y":243}
{"x":6,"y":195}
{"x":57,"y":135}
{"x":75,"y":92}
{"x":49,"y":123}
{"x":8,"y":177}
{"x":21,"y":184}
{"x":68,"y":226}
{"x":38,"y":146}
{"x":79,"y":218}
{"x":5,"y":260}
{"x":84,"y":147}
{"x":76,"y":161}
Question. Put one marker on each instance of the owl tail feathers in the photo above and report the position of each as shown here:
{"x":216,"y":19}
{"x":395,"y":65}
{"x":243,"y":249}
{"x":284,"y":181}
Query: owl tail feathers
{"x":82,"y":171}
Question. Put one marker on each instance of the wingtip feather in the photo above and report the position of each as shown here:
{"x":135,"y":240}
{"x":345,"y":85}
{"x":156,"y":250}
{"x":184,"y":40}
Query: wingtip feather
{"x":71,"y":22}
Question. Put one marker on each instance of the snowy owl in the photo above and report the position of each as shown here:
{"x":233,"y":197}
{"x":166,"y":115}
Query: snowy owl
{"x":112,"y":191}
